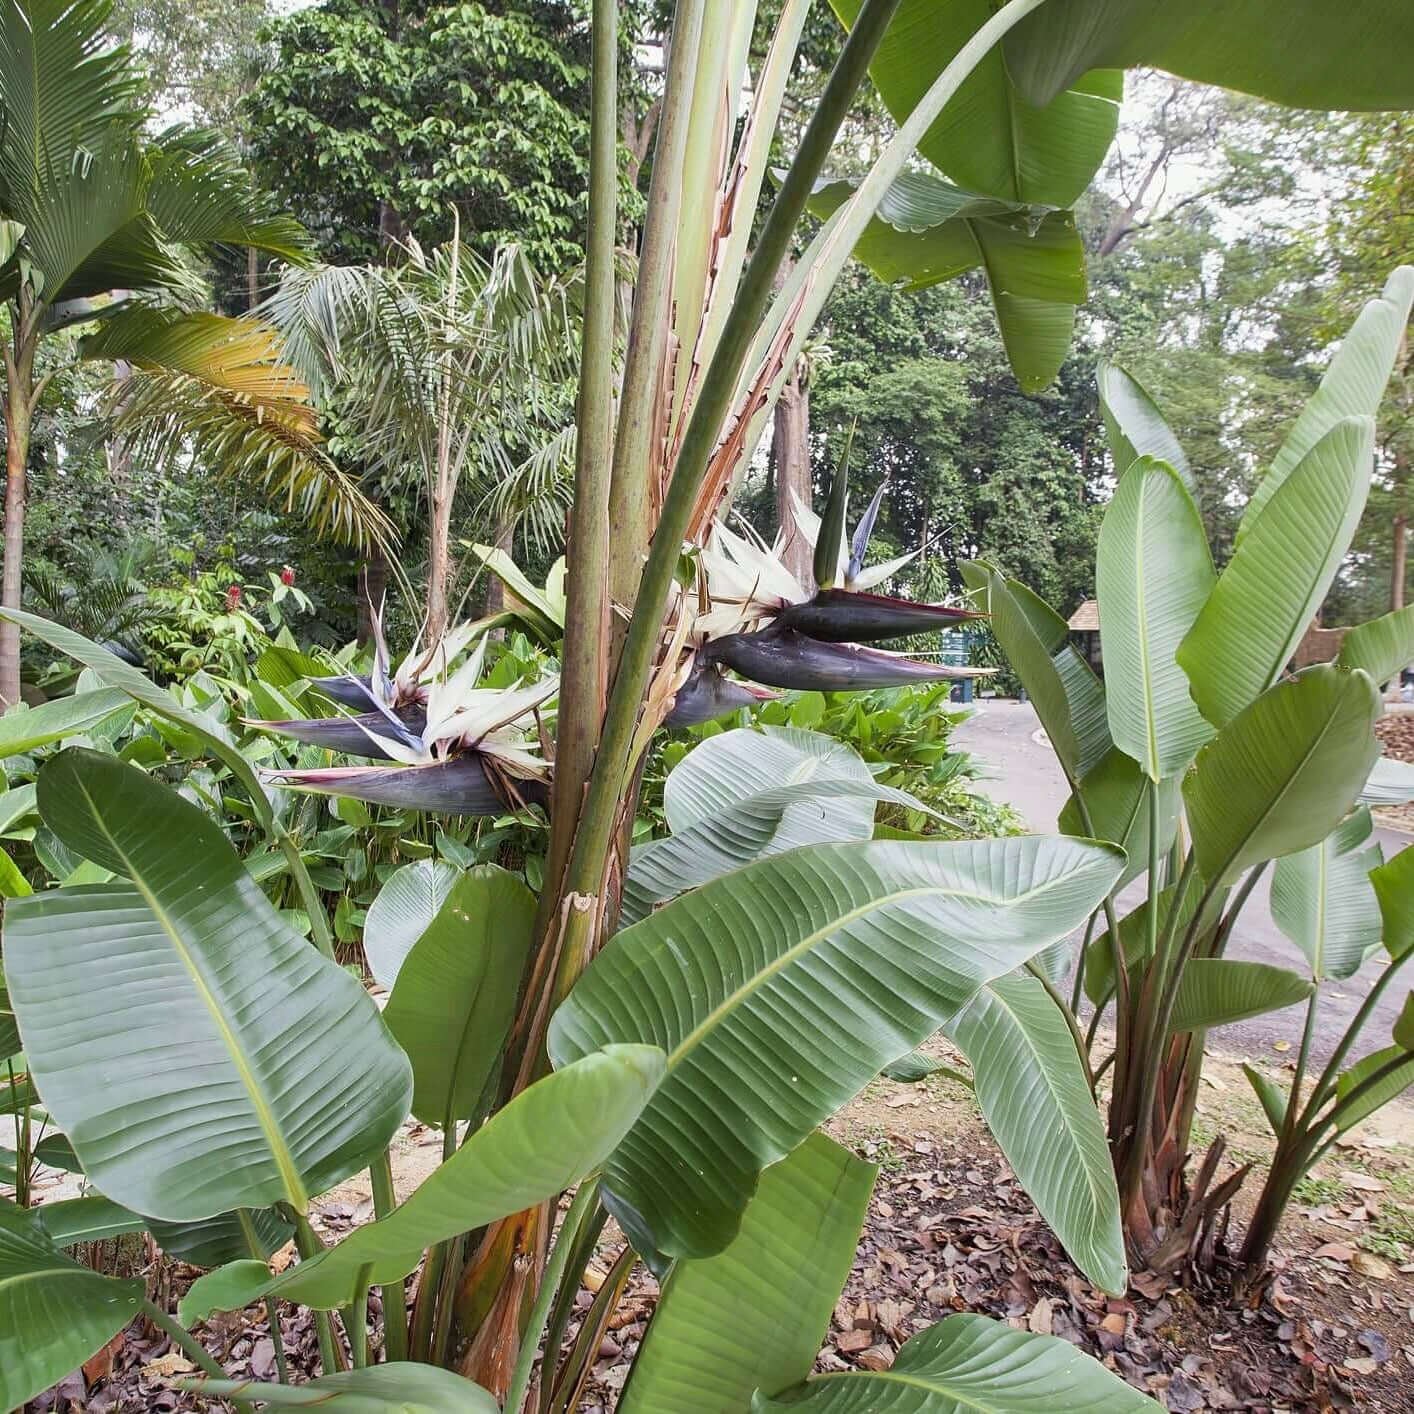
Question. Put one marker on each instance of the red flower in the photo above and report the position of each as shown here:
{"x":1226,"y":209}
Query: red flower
{"x":233,"y":598}
{"x":287,"y":575}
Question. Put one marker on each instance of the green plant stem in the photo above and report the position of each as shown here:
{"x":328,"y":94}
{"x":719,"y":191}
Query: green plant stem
{"x":358,"y":1331}
{"x":629,"y":510}
{"x":1151,"y":917}
{"x":1077,"y":989}
{"x":600,"y":811}
{"x":1326,"y":1083}
{"x":582,"y":1205}
{"x":584,"y":1245}
{"x":446,"y":1299}
{"x":277,"y":1339}
{"x":1303,"y":1057}
{"x":1332,"y":1116}
{"x":1052,"y":991}
{"x":309,"y":895}
{"x":189,"y":1346}
{"x":424,"y":1309}
{"x":308,"y":1245}
{"x":584,"y":659}
{"x":591,"y":1332}
{"x":395,"y":1310}
{"x":1239,"y":902}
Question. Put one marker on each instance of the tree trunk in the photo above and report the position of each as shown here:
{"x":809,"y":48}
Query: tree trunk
{"x":439,"y":561}
{"x":18,"y":392}
{"x":372,"y":586}
{"x":1401,"y":546}
{"x":495,"y":590}
{"x":792,"y":454}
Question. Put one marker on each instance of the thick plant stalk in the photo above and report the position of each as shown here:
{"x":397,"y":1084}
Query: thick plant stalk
{"x":395,"y":1311}
{"x":307,"y":1243}
{"x":635,"y":457}
{"x":584,"y":672}
{"x":582,"y":1205}
{"x":19,"y":398}
{"x":596,"y":825}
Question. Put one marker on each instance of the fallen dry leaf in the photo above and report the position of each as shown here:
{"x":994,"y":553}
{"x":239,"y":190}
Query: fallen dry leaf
{"x":1335,"y":1251}
{"x":164,"y":1367}
{"x":1039,"y":1321}
{"x":1363,"y":1182}
{"x":282,"y":1258}
{"x":1369,"y":1265}
{"x":99,"y":1365}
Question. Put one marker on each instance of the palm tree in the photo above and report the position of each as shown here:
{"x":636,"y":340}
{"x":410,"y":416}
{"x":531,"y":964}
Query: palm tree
{"x":450,"y":369}
{"x":100,"y":224}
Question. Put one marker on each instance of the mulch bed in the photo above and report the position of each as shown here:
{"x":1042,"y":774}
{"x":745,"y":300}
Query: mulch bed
{"x":950,"y":1230}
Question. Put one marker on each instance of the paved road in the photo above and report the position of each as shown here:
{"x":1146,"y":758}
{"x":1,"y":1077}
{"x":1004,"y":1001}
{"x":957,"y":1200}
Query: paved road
{"x":1020,"y":770}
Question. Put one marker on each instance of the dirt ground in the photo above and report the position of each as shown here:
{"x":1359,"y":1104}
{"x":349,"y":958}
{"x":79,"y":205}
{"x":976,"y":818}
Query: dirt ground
{"x":950,"y":1230}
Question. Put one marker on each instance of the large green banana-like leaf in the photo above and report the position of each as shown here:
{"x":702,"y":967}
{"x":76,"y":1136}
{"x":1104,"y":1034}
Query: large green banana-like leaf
{"x":411,"y":897}
{"x":1068,"y":697}
{"x":1215,"y":991}
{"x":735,"y":766}
{"x":1308,"y":53}
{"x":1153,"y":573}
{"x":1283,"y":773}
{"x":1399,"y":1079}
{"x":780,"y":990}
{"x":1393,"y":882}
{"x":755,"y":1315}
{"x":228,"y":1237}
{"x":1038,"y":1105}
{"x":989,"y":138}
{"x":1353,"y":386}
{"x":399,"y":1387}
{"x":1134,"y":426}
{"x":1115,"y":797}
{"x":927,"y":230}
{"x":745,"y":795}
{"x":1323,"y":900}
{"x":1390,"y":782}
{"x":198,"y":1053}
{"x":456,"y":991}
{"x":1382,"y":647}
{"x":88,"y":1219}
{"x":547,"y":1139}
{"x":970,"y":1365}
{"x":1270,"y":590}
{"x":54,"y":1313}
{"x":114,"y":672}
{"x":23,"y":729}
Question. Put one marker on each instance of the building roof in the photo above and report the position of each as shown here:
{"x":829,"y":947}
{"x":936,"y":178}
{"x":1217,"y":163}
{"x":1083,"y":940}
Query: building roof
{"x":1086,"y":619}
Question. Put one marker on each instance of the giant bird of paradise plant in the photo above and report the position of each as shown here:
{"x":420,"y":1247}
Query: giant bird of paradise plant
{"x":672,"y":1071}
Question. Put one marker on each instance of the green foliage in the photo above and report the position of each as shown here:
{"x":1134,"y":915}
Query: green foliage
{"x":372,"y":122}
{"x":902,"y":733}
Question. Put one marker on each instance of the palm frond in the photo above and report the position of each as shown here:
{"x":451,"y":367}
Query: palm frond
{"x":170,"y":417}
{"x":62,"y":85}
{"x":241,"y":357}
{"x":215,"y":390}
{"x":85,"y":225}
{"x":200,"y":195}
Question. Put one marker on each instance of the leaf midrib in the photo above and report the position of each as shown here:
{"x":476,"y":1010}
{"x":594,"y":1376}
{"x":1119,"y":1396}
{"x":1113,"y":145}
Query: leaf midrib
{"x":295,"y":1192}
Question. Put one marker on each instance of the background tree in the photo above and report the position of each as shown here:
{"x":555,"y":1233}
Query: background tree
{"x":371,"y":120}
